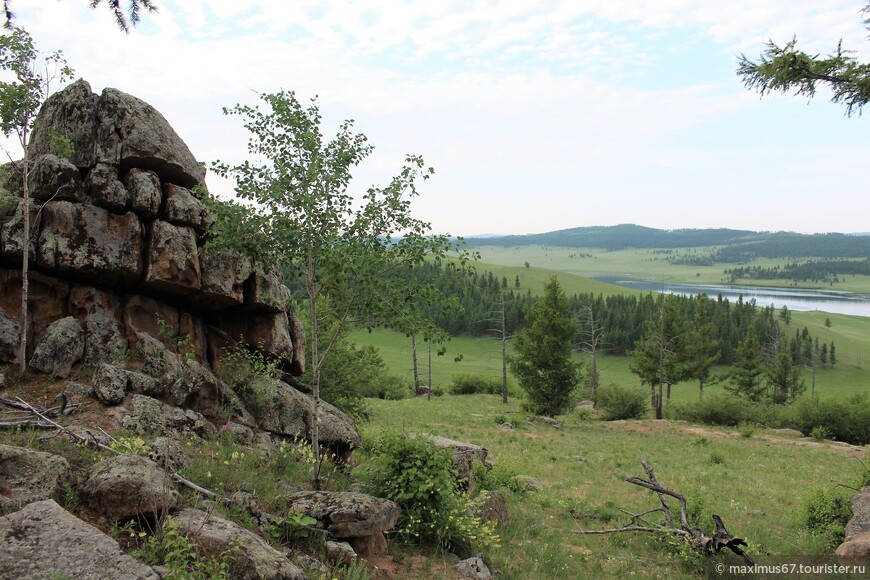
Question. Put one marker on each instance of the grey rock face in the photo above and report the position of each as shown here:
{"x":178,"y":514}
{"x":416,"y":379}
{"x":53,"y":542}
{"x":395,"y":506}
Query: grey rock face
{"x":45,"y":541}
{"x":173,"y":260}
{"x":27,"y":476}
{"x":90,"y":243}
{"x":148,"y":415}
{"x":145,"y":194}
{"x":132,"y":133}
{"x":223,"y":279}
{"x":474,"y":568}
{"x":55,"y":178}
{"x":110,"y":384}
{"x":126,"y":486}
{"x":105,"y":189}
{"x":183,"y":209}
{"x":62,"y":345}
{"x":10,"y":338}
{"x":253,"y":559}
{"x":71,"y":113}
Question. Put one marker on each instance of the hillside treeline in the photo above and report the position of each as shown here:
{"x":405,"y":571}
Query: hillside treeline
{"x":735,"y":246}
{"x":832,"y":271}
{"x":478,"y":309}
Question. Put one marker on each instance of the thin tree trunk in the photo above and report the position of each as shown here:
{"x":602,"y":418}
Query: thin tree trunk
{"x":504,"y":397}
{"x":25,"y":251}
{"x":416,"y":373}
{"x":429,"y":393}
{"x":315,"y":381}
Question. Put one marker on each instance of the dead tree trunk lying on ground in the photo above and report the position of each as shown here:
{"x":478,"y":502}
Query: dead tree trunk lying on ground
{"x":709,"y":545}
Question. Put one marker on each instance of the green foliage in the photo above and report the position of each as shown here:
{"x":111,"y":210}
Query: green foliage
{"x":8,"y":203}
{"x":132,"y":444}
{"x":292,"y":526}
{"x":746,"y":429}
{"x":542,"y":359}
{"x":844,"y":419}
{"x":820,"y":433}
{"x":497,"y":478}
{"x":250,"y":374}
{"x":61,"y":145}
{"x":172,"y":548}
{"x":826,"y":513}
{"x":616,"y":402}
{"x":784,"y":379}
{"x":748,"y":369}
{"x":467,"y":384}
{"x":421,"y":479}
{"x":781,"y":69}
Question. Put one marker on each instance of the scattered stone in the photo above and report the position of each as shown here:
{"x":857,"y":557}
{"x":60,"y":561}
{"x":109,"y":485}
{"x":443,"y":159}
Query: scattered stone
{"x":252,"y":557}
{"x":527,"y":483}
{"x":128,"y":486}
{"x":27,"y":476}
{"x":507,"y":426}
{"x":45,"y":541}
{"x":94,"y":435}
{"x":464,"y":456}
{"x":579,"y":459}
{"x":359,"y":518}
{"x":474,"y":568}
{"x":545,"y":420}
{"x":857,"y":547}
{"x":62,"y":345}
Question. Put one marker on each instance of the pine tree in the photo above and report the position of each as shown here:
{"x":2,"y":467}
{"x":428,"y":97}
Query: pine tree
{"x":748,"y":370}
{"x":784,"y":379}
{"x":542,"y":359}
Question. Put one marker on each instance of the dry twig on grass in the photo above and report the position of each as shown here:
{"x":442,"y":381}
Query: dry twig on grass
{"x":638,"y":523}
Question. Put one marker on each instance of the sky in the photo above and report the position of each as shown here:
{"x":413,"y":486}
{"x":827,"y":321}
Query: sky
{"x":537,"y":115}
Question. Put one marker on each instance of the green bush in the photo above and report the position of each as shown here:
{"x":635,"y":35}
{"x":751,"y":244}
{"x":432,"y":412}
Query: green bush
{"x":844,"y":419}
{"x":715,"y":409}
{"x":617,"y":402}
{"x":826,"y":513}
{"x":468,"y":384}
{"x":421,"y":479}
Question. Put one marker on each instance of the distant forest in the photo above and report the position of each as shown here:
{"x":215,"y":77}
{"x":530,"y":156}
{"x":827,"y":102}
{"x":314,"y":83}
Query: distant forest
{"x":736,"y":246}
{"x":478,"y":308}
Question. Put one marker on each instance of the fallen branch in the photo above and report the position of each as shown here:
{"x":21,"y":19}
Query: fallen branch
{"x":709,"y":545}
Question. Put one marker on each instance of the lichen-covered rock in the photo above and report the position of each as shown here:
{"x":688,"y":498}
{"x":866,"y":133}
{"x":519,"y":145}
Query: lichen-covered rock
{"x":53,"y":177}
{"x":148,"y":415}
{"x":168,"y":453}
{"x":90,"y":243}
{"x":464,"y":455}
{"x":860,"y":506}
{"x":474,"y":568}
{"x":267,"y":292}
{"x":132,"y":133}
{"x":172,"y":259}
{"x":12,"y":234}
{"x":110,"y":384}
{"x":27,"y":476}
{"x":105,"y":189}
{"x":184,"y":209}
{"x":223,"y":279}
{"x":289,"y":414}
{"x":145,"y":194}
{"x":45,"y":541}
{"x":357,"y":517}
{"x":70,"y":113}
{"x":62,"y":345}
{"x":128,"y":486}
{"x":10,"y":338}
{"x":252,"y":557}
{"x":527,"y":483}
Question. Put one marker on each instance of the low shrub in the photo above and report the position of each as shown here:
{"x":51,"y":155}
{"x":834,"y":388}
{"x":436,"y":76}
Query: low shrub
{"x":844,"y":419}
{"x":467,"y":384}
{"x":617,"y":402}
{"x":826,"y":513}
{"x":421,"y":479}
{"x":250,"y":374}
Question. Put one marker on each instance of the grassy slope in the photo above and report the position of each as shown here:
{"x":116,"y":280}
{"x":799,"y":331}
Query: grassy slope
{"x":756,"y":484}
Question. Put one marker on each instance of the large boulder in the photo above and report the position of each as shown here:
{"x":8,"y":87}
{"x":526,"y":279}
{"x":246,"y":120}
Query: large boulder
{"x":860,"y":506}
{"x":223,"y":279}
{"x":62,"y":345}
{"x":10,"y":338}
{"x":463,"y":454}
{"x":145,"y":193}
{"x":90,"y":243}
{"x":289,"y":414}
{"x":105,"y":189}
{"x":132,"y":133}
{"x":45,"y":541}
{"x":361,"y":519}
{"x":110,"y":384}
{"x":252,"y":557}
{"x":184,"y":209}
{"x":27,"y":476}
{"x":70,"y":113}
{"x":12,"y":234}
{"x":128,"y":486}
{"x":148,"y":415}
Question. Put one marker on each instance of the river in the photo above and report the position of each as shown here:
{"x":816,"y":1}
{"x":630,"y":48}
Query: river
{"x":800,"y":299}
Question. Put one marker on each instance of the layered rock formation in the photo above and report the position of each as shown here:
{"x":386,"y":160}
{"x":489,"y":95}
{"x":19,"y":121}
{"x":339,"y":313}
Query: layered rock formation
{"x":121,"y":280}
{"x":117,"y":243}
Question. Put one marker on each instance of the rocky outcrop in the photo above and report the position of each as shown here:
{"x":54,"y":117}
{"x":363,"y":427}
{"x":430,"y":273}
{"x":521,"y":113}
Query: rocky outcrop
{"x":464,"y":455}
{"x":123,"y":222}
{"x":129,"y":486}
{"x":856,"y":543}
{"x":45,"y":541}
{"x":358,"y":518}
{"x":251,"y":556}
{"x":27,"y":476}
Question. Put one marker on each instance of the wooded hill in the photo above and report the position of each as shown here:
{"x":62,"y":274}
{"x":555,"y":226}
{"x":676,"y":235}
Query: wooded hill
{"x":733,"y":245}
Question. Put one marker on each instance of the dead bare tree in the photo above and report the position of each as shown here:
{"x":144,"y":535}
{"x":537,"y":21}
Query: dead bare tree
{"x":704,"y":543}
{"x":591,"y":335}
